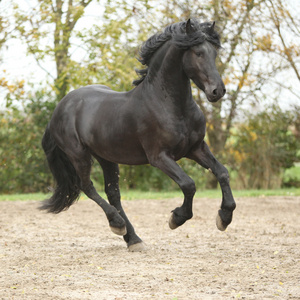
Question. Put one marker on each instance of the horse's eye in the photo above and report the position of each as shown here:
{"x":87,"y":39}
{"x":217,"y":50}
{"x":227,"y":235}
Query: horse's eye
{"x":198,"y":54}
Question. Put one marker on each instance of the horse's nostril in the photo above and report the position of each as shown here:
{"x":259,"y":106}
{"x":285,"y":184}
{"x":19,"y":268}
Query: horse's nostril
{"x":219,"y":92}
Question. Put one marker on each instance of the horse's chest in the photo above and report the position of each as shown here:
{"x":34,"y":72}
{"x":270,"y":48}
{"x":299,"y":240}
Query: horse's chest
{"x":183,"y":135}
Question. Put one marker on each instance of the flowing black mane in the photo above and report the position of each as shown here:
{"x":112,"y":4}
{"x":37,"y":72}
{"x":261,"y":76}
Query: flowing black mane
{"x":176,"y":33}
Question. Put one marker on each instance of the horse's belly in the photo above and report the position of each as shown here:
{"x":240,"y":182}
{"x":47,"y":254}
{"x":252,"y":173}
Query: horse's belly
{"x":122,"y":153}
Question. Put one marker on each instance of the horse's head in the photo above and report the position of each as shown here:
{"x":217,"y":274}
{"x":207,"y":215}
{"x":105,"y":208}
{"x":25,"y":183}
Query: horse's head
{"x":199,"y":64}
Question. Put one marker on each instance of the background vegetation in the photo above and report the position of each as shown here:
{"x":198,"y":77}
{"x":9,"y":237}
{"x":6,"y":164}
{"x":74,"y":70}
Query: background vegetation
{"x":248,"y":130}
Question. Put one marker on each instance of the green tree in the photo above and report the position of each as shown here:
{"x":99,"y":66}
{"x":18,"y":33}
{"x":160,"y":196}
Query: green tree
{"x":22,"y":163}
{"x":263,"y":147}
{"x":56,"y":19}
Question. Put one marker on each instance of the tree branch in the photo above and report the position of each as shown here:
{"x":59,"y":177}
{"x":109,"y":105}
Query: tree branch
{"x":39,"y":64}
{"x":235,"y":96}
{"x":234,"y":41}
{"x":286,"y":50}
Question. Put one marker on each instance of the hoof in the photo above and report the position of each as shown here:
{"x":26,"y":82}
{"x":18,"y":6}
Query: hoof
{"x":172,"y":224}
{"x":220,"y":224}
{"x":138,"y":247}
{"x":118,"y":231}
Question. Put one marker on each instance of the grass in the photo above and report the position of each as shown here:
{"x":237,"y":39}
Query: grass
{"x":135,"y":194}
{"x":22,"y":197}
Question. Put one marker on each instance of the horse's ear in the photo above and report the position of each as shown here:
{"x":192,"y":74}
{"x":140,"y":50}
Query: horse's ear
{"x":189,"y":27}
{"x":212,"y":27}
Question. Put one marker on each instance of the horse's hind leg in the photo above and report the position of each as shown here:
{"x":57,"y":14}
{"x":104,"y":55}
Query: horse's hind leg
{"x":81,"y":161}
{"x":111,"y":178}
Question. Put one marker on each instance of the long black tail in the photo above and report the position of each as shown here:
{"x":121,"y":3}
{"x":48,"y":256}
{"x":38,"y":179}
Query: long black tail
{"x":67,"y":188}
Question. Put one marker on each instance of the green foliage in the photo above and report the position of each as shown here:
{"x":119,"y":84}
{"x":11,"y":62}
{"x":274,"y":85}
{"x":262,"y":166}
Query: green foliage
{"x":263,"y":147}
{"x":22,"y":161}
{"x":291,"y":177}
{"x":147,"y":178}
{"x":112,"y":46}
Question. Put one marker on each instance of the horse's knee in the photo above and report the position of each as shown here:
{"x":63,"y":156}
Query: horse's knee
{"x":188,"y":188}
{"x":224,"y":177}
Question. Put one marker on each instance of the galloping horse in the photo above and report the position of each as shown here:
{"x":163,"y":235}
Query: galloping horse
{"x":157,"y":122}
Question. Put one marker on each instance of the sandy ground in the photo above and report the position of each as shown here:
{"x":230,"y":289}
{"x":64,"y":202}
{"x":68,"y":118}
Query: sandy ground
{"x":74,"y":255}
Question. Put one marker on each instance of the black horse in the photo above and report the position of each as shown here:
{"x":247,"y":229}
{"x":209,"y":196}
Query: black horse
{"x":157,"y":122}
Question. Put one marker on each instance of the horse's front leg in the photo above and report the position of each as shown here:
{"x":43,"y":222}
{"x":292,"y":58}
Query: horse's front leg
{"x":205,"y":158}
{"x":185,"y":212}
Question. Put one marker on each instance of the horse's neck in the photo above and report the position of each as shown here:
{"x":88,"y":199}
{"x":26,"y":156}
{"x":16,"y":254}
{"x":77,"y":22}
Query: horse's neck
{"x":167,"y":75}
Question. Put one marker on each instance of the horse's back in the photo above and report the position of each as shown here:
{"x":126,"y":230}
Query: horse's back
{"x":93,"y":93}
{"x":85,"y":98}
{"x":100,"y":119}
